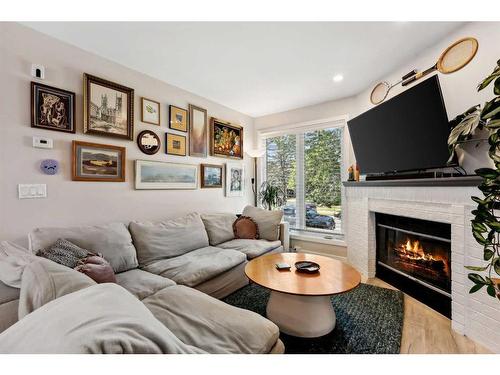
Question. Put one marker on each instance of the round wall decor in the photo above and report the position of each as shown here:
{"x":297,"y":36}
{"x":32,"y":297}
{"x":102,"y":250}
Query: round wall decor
{"x":148,"y":142}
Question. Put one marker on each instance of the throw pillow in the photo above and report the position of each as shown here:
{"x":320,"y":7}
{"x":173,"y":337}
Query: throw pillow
{"x":64,"y":252}
{"x":98,"y":269}
{"x":267,"y":221}
{"x":245,"y":228}
{"x":219,"y":227}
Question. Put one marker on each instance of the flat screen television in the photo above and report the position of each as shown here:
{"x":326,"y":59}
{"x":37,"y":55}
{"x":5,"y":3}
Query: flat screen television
{"x":408,"y":132}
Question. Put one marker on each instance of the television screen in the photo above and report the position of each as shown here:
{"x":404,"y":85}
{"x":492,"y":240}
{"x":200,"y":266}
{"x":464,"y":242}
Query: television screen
{"x":407,"y":132}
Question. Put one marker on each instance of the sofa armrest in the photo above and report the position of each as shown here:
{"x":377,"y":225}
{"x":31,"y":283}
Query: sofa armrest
{"x":285,"y":236}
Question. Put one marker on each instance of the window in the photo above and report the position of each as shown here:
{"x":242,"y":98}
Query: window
{"x":306,"y":166}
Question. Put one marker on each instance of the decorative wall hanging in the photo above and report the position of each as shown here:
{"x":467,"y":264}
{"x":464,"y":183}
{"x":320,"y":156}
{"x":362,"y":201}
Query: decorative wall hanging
{"x":197,"y":131}
{"x":52,"y":108}
{"x":49,"y":166}
{"x":150,"y":112}
{"x":108,"y":108}
{"x":148,"y":142}
{"x":178,"y":118}
{"x":98,"y":162}
{"x":226,"y":139}
{"x":175,"y":144}
{"x":161,"y":175}
{"x":234,"y":179}
{"x":211,"y":176}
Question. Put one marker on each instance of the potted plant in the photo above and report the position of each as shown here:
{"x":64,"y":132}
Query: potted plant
{"x":486,"y":222}
{"x":271,"y":196}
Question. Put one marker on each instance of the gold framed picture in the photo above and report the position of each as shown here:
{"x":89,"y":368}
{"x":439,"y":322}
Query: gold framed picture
{"x":108,"y":108}
{"x":98,"y":162}
{"x":226,"y":139}
{"x":178,"y":118}
{"x":198,"y":131}
{"x":211,"y":176}
{"x":175,"y":144}
{"x":150,"y":112}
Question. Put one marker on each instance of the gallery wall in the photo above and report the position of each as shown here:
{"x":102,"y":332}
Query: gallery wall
{"x":82,"y":203}
{"x":459,"y":89}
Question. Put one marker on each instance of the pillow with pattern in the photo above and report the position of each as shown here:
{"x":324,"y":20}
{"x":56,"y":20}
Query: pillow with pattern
{"x":66,"y":253}
{"x":246,"y":228}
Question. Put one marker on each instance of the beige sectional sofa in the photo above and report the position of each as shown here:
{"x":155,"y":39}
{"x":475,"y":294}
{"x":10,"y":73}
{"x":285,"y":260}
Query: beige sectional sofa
{"x":178,"y":269}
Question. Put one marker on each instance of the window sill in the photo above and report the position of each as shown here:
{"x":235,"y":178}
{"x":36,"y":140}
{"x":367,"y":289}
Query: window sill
{"x":337,"y":240}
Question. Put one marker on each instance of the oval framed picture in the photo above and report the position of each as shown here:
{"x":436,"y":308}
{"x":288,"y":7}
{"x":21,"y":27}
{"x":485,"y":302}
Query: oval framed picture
{"x":148,"y":142}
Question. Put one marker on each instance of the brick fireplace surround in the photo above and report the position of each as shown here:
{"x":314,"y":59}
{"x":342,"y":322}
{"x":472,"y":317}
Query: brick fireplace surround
{"x":474,"y":315}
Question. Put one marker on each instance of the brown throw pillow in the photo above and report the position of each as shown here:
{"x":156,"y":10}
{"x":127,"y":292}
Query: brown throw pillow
{"x":98,"y":269}
{"x":245,"y":228}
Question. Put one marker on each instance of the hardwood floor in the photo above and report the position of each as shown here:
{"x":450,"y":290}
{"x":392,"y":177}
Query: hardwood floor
{"x":426,"y":331}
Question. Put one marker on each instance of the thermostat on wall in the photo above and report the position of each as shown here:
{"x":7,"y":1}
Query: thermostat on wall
{"x":42,"y":142}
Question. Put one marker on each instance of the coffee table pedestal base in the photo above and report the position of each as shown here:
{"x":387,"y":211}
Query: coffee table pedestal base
{"x":301,"y":316}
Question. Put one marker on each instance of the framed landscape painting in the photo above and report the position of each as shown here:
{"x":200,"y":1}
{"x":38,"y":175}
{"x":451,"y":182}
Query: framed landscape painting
{"x":98,"y":162}
{"x":211,"y":176}
{"x":226,"y":139}
{"x":235,"y":178}
{"x":108,"y":108}
{"x":161,"y":175}
{"x":178,"y":118}
{"x":150,"y":111}
{"x":52,"y":108}
{"x":197,"y":131}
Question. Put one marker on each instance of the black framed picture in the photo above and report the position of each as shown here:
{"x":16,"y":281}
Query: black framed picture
{"x":148,"y":142}
{"x":52,"y":108}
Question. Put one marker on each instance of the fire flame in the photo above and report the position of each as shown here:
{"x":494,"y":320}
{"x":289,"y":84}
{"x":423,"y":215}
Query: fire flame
{"x":415,"y":251}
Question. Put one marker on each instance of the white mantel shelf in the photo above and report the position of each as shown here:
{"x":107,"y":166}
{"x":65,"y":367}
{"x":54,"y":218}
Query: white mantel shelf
{"x":441,"y":181}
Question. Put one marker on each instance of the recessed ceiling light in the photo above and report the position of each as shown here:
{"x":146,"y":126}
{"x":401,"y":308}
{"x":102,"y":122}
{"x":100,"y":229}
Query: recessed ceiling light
{"x":338,"y":77}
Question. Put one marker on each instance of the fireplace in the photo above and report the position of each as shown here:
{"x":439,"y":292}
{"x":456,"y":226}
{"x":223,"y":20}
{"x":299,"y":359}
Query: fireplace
{"x":415,"y":256}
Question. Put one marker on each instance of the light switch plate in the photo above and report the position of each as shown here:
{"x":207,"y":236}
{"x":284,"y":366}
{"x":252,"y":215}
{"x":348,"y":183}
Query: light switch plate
{"x":42,"y":142}
{"x":32,"y":191}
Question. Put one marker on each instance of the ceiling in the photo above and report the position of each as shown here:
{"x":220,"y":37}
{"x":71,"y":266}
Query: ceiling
{"x":257,"y":68}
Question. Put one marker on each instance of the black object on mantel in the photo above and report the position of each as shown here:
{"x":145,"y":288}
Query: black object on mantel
{"x":441,"y":181}
{"x":410,"y":176}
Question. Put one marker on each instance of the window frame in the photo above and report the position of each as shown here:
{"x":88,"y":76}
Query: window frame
{"x":347,"y":157}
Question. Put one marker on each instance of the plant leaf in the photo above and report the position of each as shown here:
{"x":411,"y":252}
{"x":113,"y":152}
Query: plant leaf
{"x":487,"y":173}
{"x":496,"y":266}
{"x":485,"y":82}
{"x":475,"y":288}
{"x":478,"y":268}
{"x":477,"y":279}
{"x":488,"y":254}
{"x":491,"y":290}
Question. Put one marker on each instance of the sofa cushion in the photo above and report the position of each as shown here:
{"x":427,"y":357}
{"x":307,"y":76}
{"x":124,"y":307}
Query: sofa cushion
{"x":141,"y":283}
{"x":13,"y":259}
{"x":267,"y":221}
{"x":219,"y":227}
{"x":252,"y":248}
{"x":212,"y":325}
{"x":44,"y":280}
{"x":101,"y":319}
{"x":112,"y":240}
{"x":196,"y":266}
{"x":8,"y":293}
{"x":168,"y":239}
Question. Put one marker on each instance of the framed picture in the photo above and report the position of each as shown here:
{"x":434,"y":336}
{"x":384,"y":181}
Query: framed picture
{"x":150,"y":112}
{"x":234,"y":179}
{"x":97,"y":162}
{"x":148,"y":142}
{"x":226,"y":139}
{"x":175,"y":144}
{"x":211,"y":176}
{"x":52,"y":108}
{"x":178,"y":118}
{"x":161,"y":175}
{"x":108,"y":108}
{"x":197,"y":131}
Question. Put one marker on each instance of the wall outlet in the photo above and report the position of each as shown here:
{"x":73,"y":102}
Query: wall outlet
{"x":37,"y":71}
{"x":42,"y":142}
{"x":32,"y":191}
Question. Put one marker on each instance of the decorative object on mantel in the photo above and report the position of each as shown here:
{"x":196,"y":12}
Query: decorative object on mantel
{"x":52,"y":108}
{"x":98,"y":162}
{"x":49,"y":166}
{"x":197,"y":131}
{"x":154,"y":175}
{"x":211,"y":176}
{"x":271,"y":196}
{"x":108,"y":108}
{"x":255,"y":154}
{"x":226,"y":139}
{"x":148,"y":142}
{"x":235,"y":178}
{"x":453,"y":58}
{"x":150,"y":111}
{"x":178,"y":118}
{"x":175,"y":144}
{"x":486,"y":222}
{"x":350,"y":173}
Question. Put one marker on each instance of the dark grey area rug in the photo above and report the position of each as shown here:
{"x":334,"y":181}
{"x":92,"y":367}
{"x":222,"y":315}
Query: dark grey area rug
{"x":369,"y":321}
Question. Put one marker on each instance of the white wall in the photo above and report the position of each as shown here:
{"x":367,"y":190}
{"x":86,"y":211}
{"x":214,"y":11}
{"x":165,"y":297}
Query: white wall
{"x":459,"y":89}
{"x":70,"y":202}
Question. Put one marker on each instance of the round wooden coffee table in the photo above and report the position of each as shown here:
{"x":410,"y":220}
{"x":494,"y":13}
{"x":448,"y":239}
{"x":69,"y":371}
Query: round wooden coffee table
{"x":300,"y":303}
